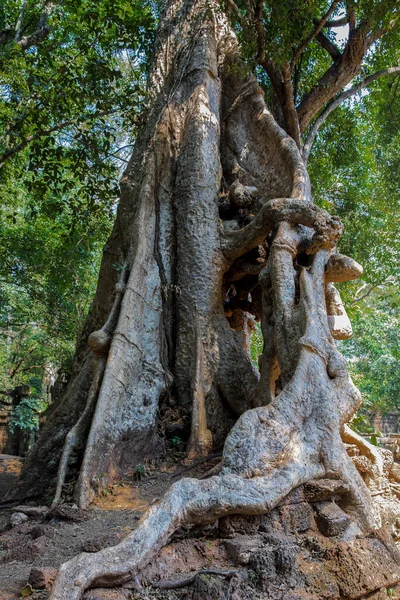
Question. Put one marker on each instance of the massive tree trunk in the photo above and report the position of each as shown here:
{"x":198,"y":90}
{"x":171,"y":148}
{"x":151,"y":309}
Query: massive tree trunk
{"x":215,"y":225}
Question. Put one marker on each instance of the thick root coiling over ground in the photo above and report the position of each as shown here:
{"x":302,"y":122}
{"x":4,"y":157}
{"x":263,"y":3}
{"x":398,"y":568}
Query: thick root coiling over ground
{"x":270,"y":451}
{"x":188,"y":501}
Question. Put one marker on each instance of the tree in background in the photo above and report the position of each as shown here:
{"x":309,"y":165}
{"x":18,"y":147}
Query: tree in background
{"x":72,"y":79}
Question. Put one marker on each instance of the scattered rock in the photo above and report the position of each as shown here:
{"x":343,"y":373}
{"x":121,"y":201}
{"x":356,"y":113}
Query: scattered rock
{"x":36,"y":512}
{"x":41,"y":578}
{"x":18,"y":518}
{"x":66,"y":512}
{"x":39,"y":530}
{"x":332,"y":520}
{"x":27,"y":551}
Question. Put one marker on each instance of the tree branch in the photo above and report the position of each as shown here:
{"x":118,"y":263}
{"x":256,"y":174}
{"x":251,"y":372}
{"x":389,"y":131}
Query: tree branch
{"x":34,"y":38}
{"x":313,"y":34}
{"x":334,"y":22}
{"x":339,"y":100}
{"x":372,"y":287}
{"x":18,"y":27}
{"x":41,"y":32}
{"x":42,"y":133}
{"x":339,"y":74}
{"x":288,"y":106}
{"x":5,"y":36}
{"x":328,"y":45}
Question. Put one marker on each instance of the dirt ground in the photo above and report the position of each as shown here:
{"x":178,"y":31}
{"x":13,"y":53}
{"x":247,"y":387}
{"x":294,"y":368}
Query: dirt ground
{"x":306,"y":548}
{"x":109,"y":519}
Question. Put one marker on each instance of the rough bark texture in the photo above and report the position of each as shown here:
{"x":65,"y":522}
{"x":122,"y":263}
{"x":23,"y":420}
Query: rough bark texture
{"x":215,"y":223}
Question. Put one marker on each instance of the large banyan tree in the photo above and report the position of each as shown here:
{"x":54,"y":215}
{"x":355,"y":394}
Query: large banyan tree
{"x":215,"y":227}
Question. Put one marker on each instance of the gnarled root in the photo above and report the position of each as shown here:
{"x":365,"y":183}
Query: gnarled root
{"x":270,"y":450}
{"x":293,"y":457}
{"x":187,"y":501}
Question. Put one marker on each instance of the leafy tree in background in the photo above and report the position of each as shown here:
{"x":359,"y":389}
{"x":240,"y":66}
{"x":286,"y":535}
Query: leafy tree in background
{"x":72,"y":81}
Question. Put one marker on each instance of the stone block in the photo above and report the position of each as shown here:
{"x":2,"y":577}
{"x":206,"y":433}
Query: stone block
{"x":238,"y":524}
{"x":297,"y":517}
{"x":319,"y":490}
{"x":296,"y":496}
{"x":332,"y":520}
{"x":17,"y":518}
{"x":241,"y":548}
{"x":362,"y":567}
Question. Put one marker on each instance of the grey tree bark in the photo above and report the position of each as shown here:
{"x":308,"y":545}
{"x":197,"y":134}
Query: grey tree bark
{"x":215,"y":221}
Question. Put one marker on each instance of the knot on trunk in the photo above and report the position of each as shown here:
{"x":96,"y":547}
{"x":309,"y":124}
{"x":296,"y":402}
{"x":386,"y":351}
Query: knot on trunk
{"x":99,"y":342}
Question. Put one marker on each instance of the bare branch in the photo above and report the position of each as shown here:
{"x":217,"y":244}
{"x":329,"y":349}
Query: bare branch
{"x":334,"y":22}
{"x":18,"y":27}
{"x":313,"y":34}
{"x":338,"y":101}
{"x":372,"y":287}
{"x":339,"y":74}
{"x":328,"y":45}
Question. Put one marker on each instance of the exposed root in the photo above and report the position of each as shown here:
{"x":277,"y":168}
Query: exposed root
{"x":270,"y":450}
{"x":99,"y":343}
{"x":187,"y":501}
{"x":174,"y":585}
{"x":213,"y":471}
{"x":201,"y":461}
{"x":327,"y":229}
